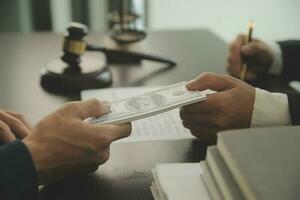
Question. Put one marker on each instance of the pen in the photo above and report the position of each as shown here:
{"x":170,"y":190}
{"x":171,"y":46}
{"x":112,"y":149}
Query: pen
{"x":248,"y":39}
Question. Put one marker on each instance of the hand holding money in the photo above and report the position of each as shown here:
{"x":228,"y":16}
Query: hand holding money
{"x":230,"y":108}
{"x":152,"y":103}
{"x":61,"y":145}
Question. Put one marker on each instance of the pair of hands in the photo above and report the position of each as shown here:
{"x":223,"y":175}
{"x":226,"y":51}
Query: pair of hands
{"x":232,"y":107}
{"x":61,"y":144}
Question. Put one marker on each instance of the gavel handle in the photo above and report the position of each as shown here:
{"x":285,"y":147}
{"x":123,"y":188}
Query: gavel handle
{"x":130,"y":55}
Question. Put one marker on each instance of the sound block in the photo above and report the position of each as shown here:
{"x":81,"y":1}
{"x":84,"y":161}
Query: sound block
{"x":60,"y":78}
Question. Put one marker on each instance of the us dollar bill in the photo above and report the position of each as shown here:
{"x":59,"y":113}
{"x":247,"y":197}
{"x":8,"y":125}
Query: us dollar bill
{"x":148,"y":104}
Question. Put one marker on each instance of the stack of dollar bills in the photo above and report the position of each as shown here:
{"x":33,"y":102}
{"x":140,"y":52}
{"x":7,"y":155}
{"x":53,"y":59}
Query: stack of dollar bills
{"x":148,"y":104}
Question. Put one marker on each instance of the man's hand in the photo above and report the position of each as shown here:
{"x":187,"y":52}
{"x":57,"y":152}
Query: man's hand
{"x":256,"y":54}
{"x":63,"y":145}
{"x":13,"y":125}
{"x":230,"y":108}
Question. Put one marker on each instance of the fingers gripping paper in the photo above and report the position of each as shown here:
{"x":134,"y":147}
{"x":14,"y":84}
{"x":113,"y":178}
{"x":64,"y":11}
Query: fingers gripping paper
{"x":134,"y":103}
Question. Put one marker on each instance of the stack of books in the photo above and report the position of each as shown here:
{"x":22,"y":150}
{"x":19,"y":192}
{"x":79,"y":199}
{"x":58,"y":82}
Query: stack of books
{"x":259,"y":163}
{"x":178,"y":181}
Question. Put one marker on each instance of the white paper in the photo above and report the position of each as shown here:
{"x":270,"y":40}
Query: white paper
{"x":176,"y":181}
{"x":164,"y":126}
{"x":295,"y":85}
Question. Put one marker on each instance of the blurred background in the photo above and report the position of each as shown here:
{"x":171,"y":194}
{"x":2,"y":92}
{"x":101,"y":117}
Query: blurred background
{"x":274,"y":19}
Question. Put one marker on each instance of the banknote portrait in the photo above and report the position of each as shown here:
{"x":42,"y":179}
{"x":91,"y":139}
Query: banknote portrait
{"x":145,"y":102}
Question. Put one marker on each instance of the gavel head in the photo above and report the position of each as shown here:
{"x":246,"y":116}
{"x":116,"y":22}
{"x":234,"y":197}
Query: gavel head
{"x":74,"y":71}
{"x":74,"y":44}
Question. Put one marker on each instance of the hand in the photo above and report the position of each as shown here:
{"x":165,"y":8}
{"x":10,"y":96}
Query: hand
{"x":256,"y":54}
{"x":13,"y":125}
{"x":230,"y":108}
{"x":63,"y":145}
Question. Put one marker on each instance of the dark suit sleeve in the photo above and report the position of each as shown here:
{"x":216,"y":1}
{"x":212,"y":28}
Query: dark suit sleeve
{"x":291,"y":59}
{"x":294,"y":107}
{"x":18,"y":178}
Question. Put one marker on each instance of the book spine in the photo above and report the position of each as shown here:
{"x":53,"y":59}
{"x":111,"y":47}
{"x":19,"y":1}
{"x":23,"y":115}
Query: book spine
{"x":222,"y":175}
{"x":235,"y":170}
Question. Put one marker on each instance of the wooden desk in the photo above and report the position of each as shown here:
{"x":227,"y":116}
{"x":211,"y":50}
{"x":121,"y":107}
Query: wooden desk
{"x":127,"y":174}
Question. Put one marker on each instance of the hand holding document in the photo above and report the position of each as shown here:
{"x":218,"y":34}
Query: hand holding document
{"x":148,"y":104}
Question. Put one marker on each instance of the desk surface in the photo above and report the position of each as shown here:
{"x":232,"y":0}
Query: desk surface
{"x":23,"y":55}
{"x":127,"y":174}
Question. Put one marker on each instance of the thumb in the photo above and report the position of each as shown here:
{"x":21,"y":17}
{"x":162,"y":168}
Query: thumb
{"x":210,"y":81}
{"x":86,"y":109}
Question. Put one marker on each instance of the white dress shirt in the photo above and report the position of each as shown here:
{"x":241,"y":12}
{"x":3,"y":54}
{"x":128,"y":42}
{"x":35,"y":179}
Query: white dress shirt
{"x":271,"y":109}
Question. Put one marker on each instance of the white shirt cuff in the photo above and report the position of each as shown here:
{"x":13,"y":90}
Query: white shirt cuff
{"x":270,"y":109}
{"x":277,"y":64}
